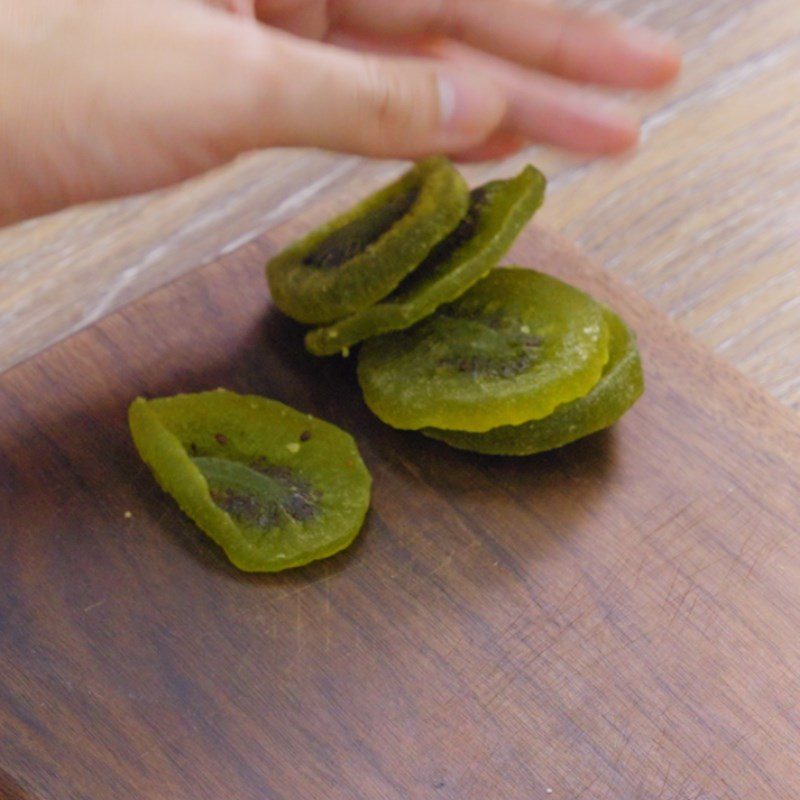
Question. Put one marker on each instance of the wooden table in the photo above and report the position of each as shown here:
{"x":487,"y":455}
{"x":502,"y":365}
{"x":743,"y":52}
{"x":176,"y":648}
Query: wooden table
{"x":703,"y":220}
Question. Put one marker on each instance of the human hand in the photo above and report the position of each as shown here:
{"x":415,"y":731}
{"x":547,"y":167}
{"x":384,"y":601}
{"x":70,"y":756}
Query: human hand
{"x":110,"y":97}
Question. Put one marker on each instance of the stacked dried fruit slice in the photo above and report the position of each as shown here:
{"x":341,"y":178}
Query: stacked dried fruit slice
{"x":360,"y":256}
{"x":510,"y":350}
{"x":497,"y":213}
{"x":505,"y":361}
{"x":619,"y":387}
{"x":519,"y":364}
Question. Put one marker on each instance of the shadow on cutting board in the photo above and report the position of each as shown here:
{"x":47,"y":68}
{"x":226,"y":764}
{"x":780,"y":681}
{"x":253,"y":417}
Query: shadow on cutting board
{"x":73,"y":467}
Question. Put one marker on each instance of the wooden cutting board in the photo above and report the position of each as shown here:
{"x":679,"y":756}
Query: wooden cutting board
{"x":618,"y":620}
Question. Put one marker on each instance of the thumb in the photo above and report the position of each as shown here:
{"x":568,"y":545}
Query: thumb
{"x":318,"y":95}
{"x":138,"y":95}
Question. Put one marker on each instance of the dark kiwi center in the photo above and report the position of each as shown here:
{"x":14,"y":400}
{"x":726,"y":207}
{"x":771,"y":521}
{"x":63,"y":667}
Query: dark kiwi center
{"x":487,"y":346}
{"x":463,"y":232}
{"x":259,"y":494}
{"x":351,"y":239}
{"x":465,"y":229}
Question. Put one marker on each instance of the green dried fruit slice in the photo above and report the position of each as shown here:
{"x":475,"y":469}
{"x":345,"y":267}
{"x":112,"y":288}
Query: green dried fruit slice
{"x":273,"y":487}
{"x":620,"y":386}
{"x":498,"y":211}
{"x":511,"y":349}
{"x":360,"y":256}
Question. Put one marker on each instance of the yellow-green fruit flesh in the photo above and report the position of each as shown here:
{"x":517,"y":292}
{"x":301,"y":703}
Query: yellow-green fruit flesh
{"x":273,"y":487}
{"x":359,"y":257}
{"x":498,"y":212}
{"x":620,"y":386}
{"x":515,"y":346}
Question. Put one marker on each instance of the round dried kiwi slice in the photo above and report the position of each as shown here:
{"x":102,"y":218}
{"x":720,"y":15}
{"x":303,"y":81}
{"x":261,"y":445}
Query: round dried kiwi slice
{"x":497,"y":213}
{"x":360,"y":256}
{"x":620,"y":386}
{"x":511,"y":349}
{"x":273,"y":487}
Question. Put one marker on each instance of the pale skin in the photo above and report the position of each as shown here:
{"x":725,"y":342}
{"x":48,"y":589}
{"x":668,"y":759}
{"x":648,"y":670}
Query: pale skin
{"x":103,"y":98}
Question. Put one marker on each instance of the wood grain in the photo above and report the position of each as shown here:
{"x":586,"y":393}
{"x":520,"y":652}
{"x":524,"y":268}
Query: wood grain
{"x":617,"y":619}
{"x":702,"y":220}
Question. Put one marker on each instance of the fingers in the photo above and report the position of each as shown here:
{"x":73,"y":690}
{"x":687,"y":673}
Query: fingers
{"x":540,"y":108}
{"x":318,"y":95}
{"x":571,"y":44}
{"x":551,"y":110}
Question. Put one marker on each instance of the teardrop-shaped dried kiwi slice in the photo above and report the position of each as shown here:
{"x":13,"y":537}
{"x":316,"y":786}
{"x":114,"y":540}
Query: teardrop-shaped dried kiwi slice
{"x":273,"y":487}
{"x":515,"y":346}
{"x":620,"y":386}
{"x":359,"y":257}
{"x":497,"y":213}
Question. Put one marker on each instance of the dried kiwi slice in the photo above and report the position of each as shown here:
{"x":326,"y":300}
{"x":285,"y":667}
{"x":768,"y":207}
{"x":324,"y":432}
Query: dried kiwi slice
{"x":273,"y":487}
{"x":359,"y":257}
{"x":511,"y":349}
{"x":620,"y":386}
{"x":498,"y":211}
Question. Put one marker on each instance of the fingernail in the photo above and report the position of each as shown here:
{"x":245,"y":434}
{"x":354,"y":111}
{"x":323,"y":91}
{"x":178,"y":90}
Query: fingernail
{"x":647,"y":38}
{"x":650,"y":45}
{"x":469,"y":105}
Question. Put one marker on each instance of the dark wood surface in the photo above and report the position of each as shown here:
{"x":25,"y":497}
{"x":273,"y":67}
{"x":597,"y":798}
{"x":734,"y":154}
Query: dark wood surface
{"x":617,"y":620}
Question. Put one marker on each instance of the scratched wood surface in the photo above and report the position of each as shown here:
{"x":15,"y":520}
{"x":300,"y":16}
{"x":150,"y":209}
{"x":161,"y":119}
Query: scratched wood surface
{"x":614,"y":620}
{"x":702,"y":220}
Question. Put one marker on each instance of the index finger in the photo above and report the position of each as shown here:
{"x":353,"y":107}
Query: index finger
{"x":583,"y":47}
